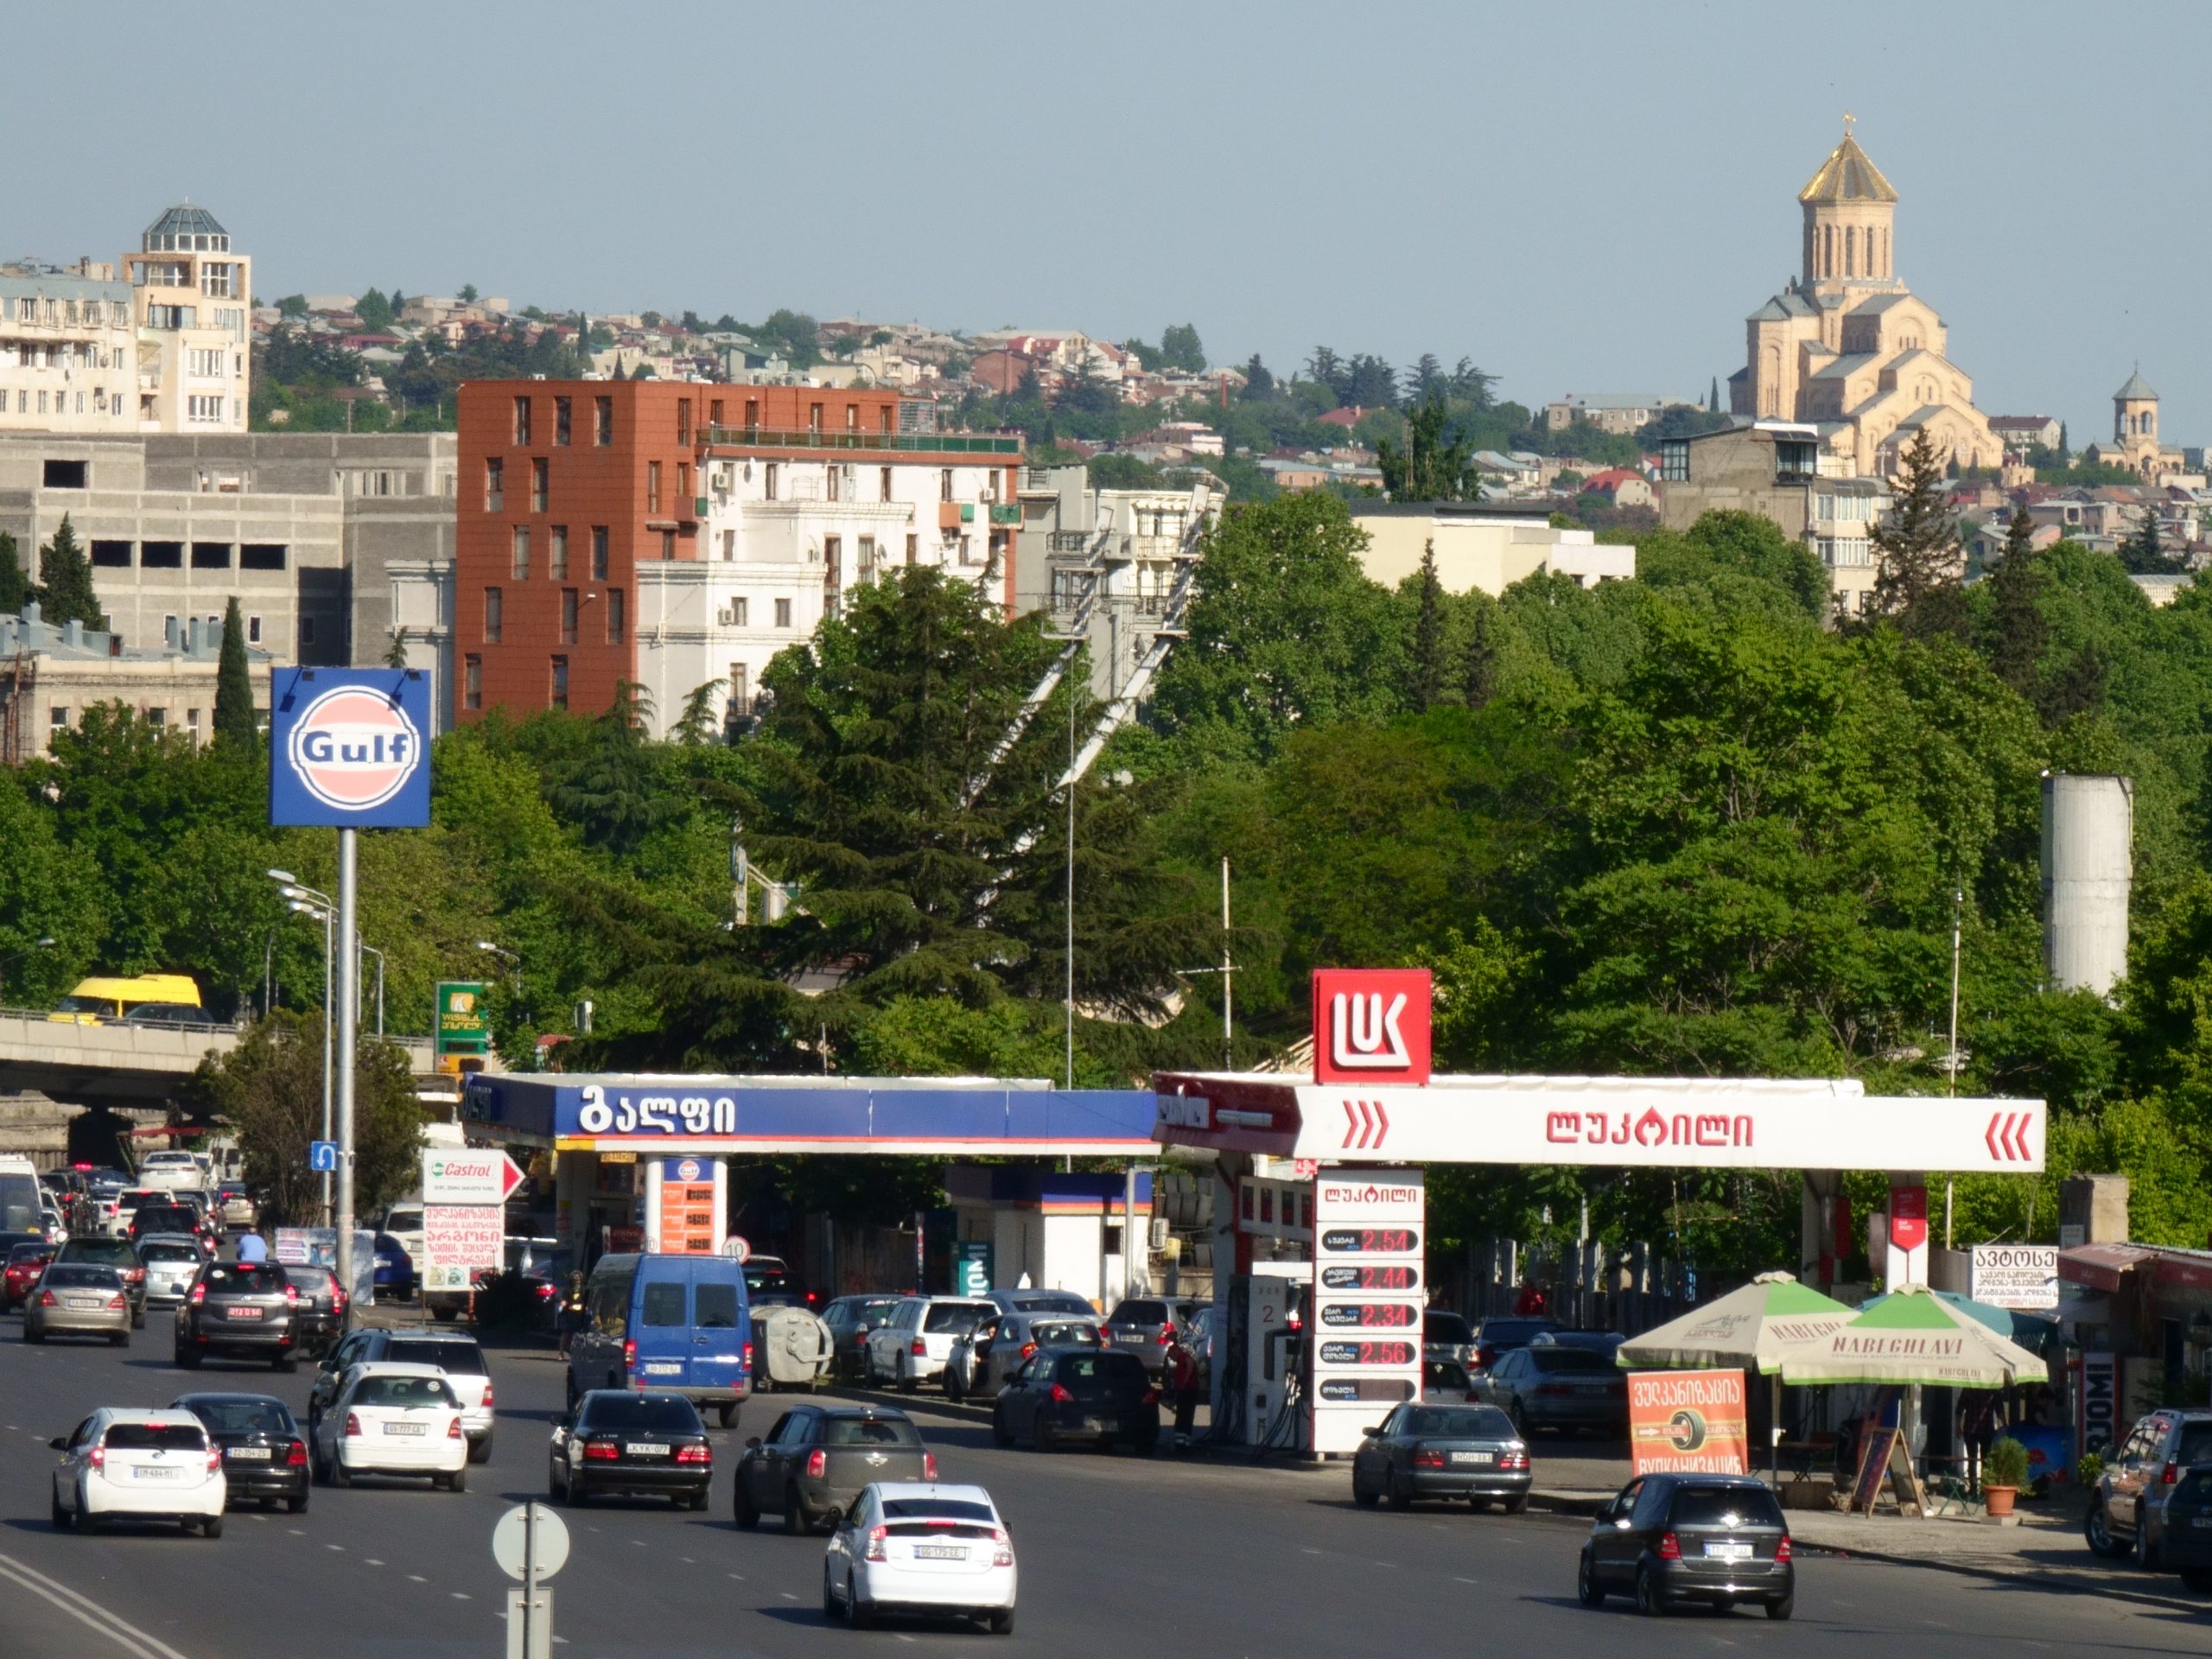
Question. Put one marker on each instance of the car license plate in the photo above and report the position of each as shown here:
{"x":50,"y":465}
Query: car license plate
{"x":248,"y":1454}
{"x":664,"y":1367}
{"x":940,"y":1552}
{"x":244,"y":1313}
{"x":1728,"y":1552}
{"x":641,"y":1449}
{"x":1474,"y":1457}
{"x":2201,"y":1520}
{"x":1590,"y":1388}
{"x":82,"y":1301}
{"x":147,"y":1472}
{"x":403,"y":1428}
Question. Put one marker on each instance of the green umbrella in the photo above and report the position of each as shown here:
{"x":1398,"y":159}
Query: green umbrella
{"x":1913,"y":1336}
{"x":1749,"y":1329}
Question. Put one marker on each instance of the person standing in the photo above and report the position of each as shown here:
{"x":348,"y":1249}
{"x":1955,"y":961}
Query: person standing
{"x":1182,"y":1378}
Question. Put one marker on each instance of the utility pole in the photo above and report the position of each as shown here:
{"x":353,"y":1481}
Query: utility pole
{"x":1228,"y":974}
{"x":349,"y":969}
{"x":1951,"y":1070}
{"x":1071,"y":892}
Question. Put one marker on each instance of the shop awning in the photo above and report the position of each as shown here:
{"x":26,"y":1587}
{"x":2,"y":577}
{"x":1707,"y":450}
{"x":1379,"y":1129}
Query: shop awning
{"x":2100,"y":1266}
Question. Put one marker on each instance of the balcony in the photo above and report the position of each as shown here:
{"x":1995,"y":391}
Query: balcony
{"x":922,"y":443}
{"x":1006,"y":515}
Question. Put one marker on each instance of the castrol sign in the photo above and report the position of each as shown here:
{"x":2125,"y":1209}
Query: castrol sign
{"x":350,"y":749}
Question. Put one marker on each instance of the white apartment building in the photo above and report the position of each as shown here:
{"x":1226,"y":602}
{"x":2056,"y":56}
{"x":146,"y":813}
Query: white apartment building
{"x":191,"y":296}
{"x":69,"y":349}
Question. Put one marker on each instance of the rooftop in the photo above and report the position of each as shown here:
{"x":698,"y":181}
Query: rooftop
{"x":2136,"y":388}
{"x":179,"y":229}
{"x":1848,"y":175}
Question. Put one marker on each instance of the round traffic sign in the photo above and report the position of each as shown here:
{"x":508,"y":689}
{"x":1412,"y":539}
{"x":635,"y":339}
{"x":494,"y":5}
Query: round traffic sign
{"x":512,"y":1536}
{"x":354,"y":748}
{"x":736,"y":1249}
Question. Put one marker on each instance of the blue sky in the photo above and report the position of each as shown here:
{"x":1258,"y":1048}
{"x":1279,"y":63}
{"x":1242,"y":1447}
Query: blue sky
{"x":1585,"y":198}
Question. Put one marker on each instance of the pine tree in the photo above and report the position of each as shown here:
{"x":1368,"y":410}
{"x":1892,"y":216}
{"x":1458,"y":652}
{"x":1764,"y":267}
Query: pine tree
{"x":1917,"y":547}
{"x":702,"y":716}
{"x":2145,"y":552}
{"x":14,"y":587}
{"x":234,"y":719}
{"x":1479,"y":670}
{"x":2018,"y":630}
{"x":1428,"y":634}
{"x":65,"y":589}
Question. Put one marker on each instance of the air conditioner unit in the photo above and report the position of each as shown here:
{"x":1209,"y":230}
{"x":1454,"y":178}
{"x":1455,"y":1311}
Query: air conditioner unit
{"x":727,"y":616}
{"x":990,"y":493}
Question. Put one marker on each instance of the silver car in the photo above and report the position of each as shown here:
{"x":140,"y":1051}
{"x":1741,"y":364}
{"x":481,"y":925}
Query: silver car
{"x":981,"y":1362}
{"x":78,"y":1299}
{"x":171,"y":1259}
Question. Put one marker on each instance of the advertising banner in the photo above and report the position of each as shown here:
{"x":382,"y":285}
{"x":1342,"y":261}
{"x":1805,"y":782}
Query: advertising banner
{"x":349,"y":748}
{"x":475,"y":1176}
{"x":1370,"y":1025}
{"x":464,"y":1023}
{"x":461,"y":1241}
{"x":1688,"y":1422}
{"x":687,"y":1206}
{"x":2097,"y":1405}
{"x":2014,"y":1275}
{"x":1367,"y":1300}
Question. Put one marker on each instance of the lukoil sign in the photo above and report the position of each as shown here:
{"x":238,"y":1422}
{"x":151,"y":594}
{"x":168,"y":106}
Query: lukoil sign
{"x":1371,"y":1025}
{"x":348,"y":748}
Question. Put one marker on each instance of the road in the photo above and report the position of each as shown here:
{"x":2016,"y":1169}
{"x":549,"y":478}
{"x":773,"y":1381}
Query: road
{"x":1118,"y":1554}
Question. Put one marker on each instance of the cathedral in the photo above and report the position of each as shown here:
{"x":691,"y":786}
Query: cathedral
{"x":1849,"y":347}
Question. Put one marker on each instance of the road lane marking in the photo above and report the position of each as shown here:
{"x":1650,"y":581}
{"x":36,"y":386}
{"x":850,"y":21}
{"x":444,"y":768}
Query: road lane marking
{"x":1456,"y":1580}
{"x":460,"y":1595}
{"x":340,"y":1549}
{"x":127,"y":1637}
{"x":416,"y":1578}
{"x":1306,"y":1550}
{"x":787,"y":1595}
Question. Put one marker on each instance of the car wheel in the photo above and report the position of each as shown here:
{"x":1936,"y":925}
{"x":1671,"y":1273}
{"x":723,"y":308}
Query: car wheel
{"x":1146,"y":1444}
{"x":211,"y":1527}
{"x":119,"y":1339}
{"x":2097,"y":1529}
{"x":1361,"y":1496}
{"x":481,"y":1451}
{"x":1650,"y":1601}
{"x":83,"y":1519}
{"x":699,"y":1498}
{"x":2197,"y":1579}
{"x":747,"y":1513}
{"x":908,"y":1382}
{"x":858,"y":1617}
{"x":340,"y":1474}
{"x":795,"y":1521}
{"x":296,"y":1505}
{"x":1002,"y":1436}
{"x":1587,"y":1589}
{"x":61,"y":1516}
{"x":1401,"y":1497}
{"x":1514,"y":1505}
{"x":1783,"y":1608}
{"x":728,"y":1412}
{"x":285,"y":1362}
{"x":138,"y":1321}
{"x":830,"y":1610}
{"x":2148,"y":1556}
{"x":457,"y":1481}
{"x":188,"y":1359}
{"x":30,"y":1335}
{"x":1001,"y":1621}
{"x":952,"y":1383}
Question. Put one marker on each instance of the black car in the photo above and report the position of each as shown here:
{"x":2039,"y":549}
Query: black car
{"x":243,"y":1310}
{"x":1079,"y":1394}
{"x":184,"y":1218}
{"x":119,"y":1254}
{"x":1504,"y":1334}
{"x":264,"y":1454}
{"x":818,"y":1460}
{"x":1448,"y":1452}
{"x":1715,"y":1540}
{"x":320,"y":1319}
{"x":618,"y":1442}
{"x":2189,"y":1527}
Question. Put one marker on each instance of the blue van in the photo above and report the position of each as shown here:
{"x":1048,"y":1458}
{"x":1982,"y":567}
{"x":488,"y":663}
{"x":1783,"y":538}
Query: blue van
{"x":682,"y":1323}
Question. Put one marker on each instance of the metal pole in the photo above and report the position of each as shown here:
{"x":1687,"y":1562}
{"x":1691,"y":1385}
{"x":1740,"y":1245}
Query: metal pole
{"x":1958,"y":912}
{"x":349,"y":967}
{"x":329,"y":1012}
{"x":529,"y":1572}
{"x":379,"y":994}
{"x":1071,"y":895}
{"x":1228,"y":976}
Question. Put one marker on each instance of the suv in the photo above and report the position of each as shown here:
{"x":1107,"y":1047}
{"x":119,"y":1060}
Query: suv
{"x":243,"y":1309}
{"x":458,"y":1357}
{"x":1716,"y":1540}
{"x":119,"y":1254}
{"x":2129,"y":1509}
{"x":1144,"y":1325}
{"x":913,"y":1346}
{"x":165,"y":1218}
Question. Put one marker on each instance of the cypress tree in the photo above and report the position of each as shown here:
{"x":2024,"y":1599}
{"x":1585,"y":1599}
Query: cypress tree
{"x":14,"y":586}
{"x":66,"y":586}
{"x":2019,"y":631}
{"x":1712,"y":396}
{"x":1428,"y":634}
{"x":235,"y":721}
{"x":1479,"y":670}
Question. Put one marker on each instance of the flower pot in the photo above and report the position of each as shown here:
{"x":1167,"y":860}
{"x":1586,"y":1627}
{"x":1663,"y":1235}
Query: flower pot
{"x":1997,"y":1500}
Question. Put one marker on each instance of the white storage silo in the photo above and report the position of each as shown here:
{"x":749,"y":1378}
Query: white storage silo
{"x":2089,"y":827}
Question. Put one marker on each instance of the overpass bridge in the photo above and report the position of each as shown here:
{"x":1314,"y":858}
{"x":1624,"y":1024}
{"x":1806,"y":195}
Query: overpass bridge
{"x":117,"y":1066}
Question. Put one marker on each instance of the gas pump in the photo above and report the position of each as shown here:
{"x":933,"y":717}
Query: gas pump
{"x":1264,"y":1391}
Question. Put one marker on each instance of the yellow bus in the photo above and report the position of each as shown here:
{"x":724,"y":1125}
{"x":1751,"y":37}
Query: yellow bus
{"x":98,"y":1001}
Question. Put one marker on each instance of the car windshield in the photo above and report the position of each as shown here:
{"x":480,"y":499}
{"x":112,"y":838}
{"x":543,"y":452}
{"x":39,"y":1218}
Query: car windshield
{"x":1139,"y":1313}
{"x":1444,"y":1374}
{"x":166,"y":1218}
{"x":1108,"y":1367}
{"x":116,"y":1251}
{"x":403,"y":1391}
{"x":245,"y":1279}
{"x":169,"y":1253}
{"x":404,"y":1221}
{"x":65,"y":1275}
{"x":1049,"y":1301}
{"x":869,"y":1431}
{"x":1569,"y":1359}
{"x":1725,"y":1506}
{"x":662,"y":1413}
{"x":85,"y":1004}
{"x":935,"y":1508}
{"x":1474,"y":1423}
{"x":243,"y":1416}
{"x":29,"y":1253}
{"x":1065,"y":1331}
{"x":156,"y":1437}
{"x":2195,"y":1444}
{"x":958,"y":1318}
{"x":1445,"y":1327}
{"x":456,"y":1356}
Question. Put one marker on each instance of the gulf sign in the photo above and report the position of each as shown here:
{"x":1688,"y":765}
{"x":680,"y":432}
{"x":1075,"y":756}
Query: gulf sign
{"x":350,"y":749}
{"x":1370,"y":1025}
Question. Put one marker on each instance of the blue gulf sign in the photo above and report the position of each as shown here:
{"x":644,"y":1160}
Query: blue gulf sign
{"x":349,"y":748}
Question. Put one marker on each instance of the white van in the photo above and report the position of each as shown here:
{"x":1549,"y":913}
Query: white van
{"x":404,"y":1221}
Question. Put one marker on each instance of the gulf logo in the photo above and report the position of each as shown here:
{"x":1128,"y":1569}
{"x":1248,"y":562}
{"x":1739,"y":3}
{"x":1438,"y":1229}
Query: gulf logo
{"x":687,"y":1170}
{"x":353,"y":748}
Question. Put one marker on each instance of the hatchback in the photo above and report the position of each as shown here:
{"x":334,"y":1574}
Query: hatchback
{"x":264,"y":1455}
{"x":1716,"y":1540}
{"x":172,"y":1260}
{"x":1558,"y":1389}
{"x":139,"y":1465}
{"x":1102,"y":1395}
{"x":1145,"y":1326}
{"x":616,"y":1441}
{"x":921,"y":1549}
{"x":983,"y":1361}
{"x":2188,"y":1528}
{"x":78,"y":1299}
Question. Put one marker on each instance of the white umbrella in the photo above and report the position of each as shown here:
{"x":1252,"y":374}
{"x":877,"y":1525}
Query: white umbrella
{"x":1748,"y":1329}
{"x":1913,"y":1336}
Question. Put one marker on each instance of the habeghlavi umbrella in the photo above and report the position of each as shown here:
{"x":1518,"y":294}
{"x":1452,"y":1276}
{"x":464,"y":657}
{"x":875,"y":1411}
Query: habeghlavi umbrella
{"x":1749,"y":1329}
{"x":1913,"y":1337}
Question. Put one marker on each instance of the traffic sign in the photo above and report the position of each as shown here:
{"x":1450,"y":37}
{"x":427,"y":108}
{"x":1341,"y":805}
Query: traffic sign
{"x":528,"y":1531}
{"x":476,"y":1176}
{"x":736,"y":1249}
{"x":323,"y":1156}
{"x":348,"y":748}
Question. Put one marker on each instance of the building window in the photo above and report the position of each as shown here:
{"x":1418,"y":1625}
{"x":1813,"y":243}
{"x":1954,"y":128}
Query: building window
{"x":538,"y":467}
{"x":729,"y":546}
{"x":653,"y":486}
{"x":617,"y":617}
{"x":307,"y":630}
{"x":472,"y":681}
{"x":561,"y":417}
{"x":667,"y":545}
{"x":768,"y":481}
{"x":944,"y":484}
{"x":741,"y":690}
{"x":966,"y":553}
{"x":752,"y":412}
{"x":253,"y":629}
{"x":192,"y":724}
{"x":715,"y":411}
{"x":261,"y":556}
{"x":494,"y":614}
{"x":204,"y":411}
{"x":682,"y":484}
{"x":852,"y":418}
{"x":683,"y":420}
{"x":883,"y":420}
{"x":495,"y":484}
{"x":57,"y":718}
{"x":1674,"y":461}
{"x":830,"y":482}
{"x":913,"y":548}
{"x":521,"y":564}
{"x":883,"y":484}
{"x":738,"y":609}
{"x":783,"y":613}
{"x":603,"y":416}
{"x":522,"y":423}
{"x":560,"y":696}
{"x":157,"y":718}
{"x":814,"y":418}
{"x":556,"y":552}
{"x":599,"y":552}
{"x":567,"y":616}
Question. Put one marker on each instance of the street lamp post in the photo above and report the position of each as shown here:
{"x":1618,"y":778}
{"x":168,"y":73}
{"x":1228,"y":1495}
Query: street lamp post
{"x":372,"y":950}
{"x":317,"y":906}
{"x":45,"y":943}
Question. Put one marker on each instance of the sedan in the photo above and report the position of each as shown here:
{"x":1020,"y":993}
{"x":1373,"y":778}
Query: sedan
{"x":25,"y":1263}
{"x":1079,"y":1394}
{"x":1715,"y":1540}
{"x":243,"y":1309}
{"x":619,"y":1442}
{"x":1448,"y":1452}
{"x":320,"y":1321}
{"x":1558,"y":1389}
{"x":119,"y":1254}
{"x":265,"y":1456}
{"x":79,"y":1299}
{"x":920,"y":1550}
{"x":388,"y":1418}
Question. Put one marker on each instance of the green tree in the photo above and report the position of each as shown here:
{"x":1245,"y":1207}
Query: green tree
{"x":467,"y":293}
{"x":1428,"y":671}
{"x":293,"y":305}
{"x":1712,"y":396}
{"x":64,"y":592}
{"x":702,"y":719}
{"x":1916,"y":546}
{"x":617,"y":794}
{"x":395,"y":654}
{"x":1179,"y":348}
{"x":374,"y":311}
{"x":1478,"y":665}
{"x":14,"y":586}
{"x":2018,"y":632}
{"x":1430,"y":467}
{"x":2144,"y":553}
{"x":234,"y":716}
{"x":1259,"y":383}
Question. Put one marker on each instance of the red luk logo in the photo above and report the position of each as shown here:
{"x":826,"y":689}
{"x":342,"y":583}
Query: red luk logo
{"x":1370,"y":1025}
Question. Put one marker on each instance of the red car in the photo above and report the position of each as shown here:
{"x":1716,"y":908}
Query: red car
{"x":25,"y":1263}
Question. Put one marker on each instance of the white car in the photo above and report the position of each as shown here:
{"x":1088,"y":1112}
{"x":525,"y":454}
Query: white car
{"x":391,"y":1419}
{"x":910,"y":1548}
{"x":912,"y":1345}
{"x":170,"y":1171}
{"x":171,"y":1260}
{"x":139,"y":1465}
